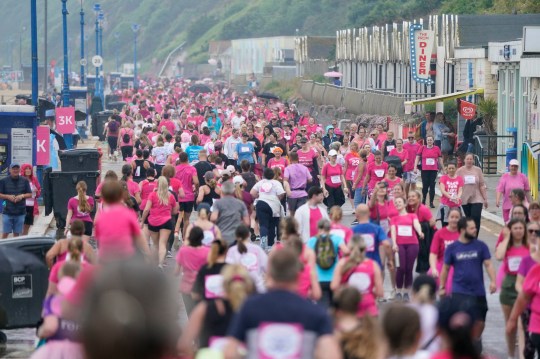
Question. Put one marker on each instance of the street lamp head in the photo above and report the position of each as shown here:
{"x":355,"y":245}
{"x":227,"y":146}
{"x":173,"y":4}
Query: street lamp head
{"x":97,"y":8}
{"x":135,"y":27}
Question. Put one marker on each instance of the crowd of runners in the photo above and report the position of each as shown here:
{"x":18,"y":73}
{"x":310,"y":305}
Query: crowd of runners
{"x":242,"y":198}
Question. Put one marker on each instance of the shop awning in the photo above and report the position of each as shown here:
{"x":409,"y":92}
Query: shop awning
{"x":450,"y":96}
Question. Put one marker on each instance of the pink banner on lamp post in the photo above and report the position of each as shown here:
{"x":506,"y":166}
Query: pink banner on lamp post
{"x":43,"y":145}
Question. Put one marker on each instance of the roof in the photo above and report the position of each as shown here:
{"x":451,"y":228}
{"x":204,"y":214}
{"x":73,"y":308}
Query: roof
{"x":478,"y":30}
{"x":319,"y":48}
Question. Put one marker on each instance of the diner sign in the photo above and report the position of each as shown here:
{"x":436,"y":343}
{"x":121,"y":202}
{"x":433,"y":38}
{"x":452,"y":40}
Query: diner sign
{"x":421,"y":42}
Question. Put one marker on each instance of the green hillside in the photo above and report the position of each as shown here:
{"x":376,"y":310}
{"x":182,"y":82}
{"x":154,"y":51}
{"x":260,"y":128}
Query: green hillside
{"x":167,"y":23}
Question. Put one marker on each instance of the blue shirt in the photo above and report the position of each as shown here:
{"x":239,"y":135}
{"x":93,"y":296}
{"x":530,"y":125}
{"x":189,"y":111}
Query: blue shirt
{"x":373,"y":236}
{"x":193,"y":153}
{"x":325,"y":275}
{"x":214,"y":126}
{"x":245,"y":152}
{"x":467,"y":260}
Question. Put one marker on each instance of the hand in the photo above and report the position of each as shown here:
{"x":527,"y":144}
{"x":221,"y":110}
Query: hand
{"x":390,"y":265}
{"x":497,"y":204}
{"x":325,"y":193}
{"x":66,"y":231}
{"x":421,"y":235}
{"x":395,"y":248}
{"x":492,"y":287}
{"x":434,"y":273}
{"x":442,"y":292}
{"x":346,"y":190}
{"x":485,"y":204}
{"x":416,"y":170}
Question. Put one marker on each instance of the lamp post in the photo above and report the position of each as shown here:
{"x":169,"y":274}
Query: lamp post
{"x":116,"y":37}
{"x":97,"y":9}
{"x":83,"y":62}
{"x":135,"y":28}
{"x":65,"y":88}
{"x":101,"y":19}
{"x":10,"y":43}
{"x":23,"y":29}
{"x":34,"y":49}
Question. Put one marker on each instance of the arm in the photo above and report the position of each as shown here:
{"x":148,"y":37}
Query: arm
{"x":492,"y":278}
{"x":442,"y":280}
{"x":327,"y":347}
{"x":200,"y":195}
{"x":52,"y":254}
{"x":519,"y":283}
{"x":498,"y":199}
{"x":500,"y":251}
{"x":336,"y":278}
{"x":145,"y":212}
{"x":49,"y":327}
{"x":141,"y":243}
{"x":393,"y":237}
{"x":316,"y":291}
{"x":233,"y":348}
{"x":192,"y":330}
{"x":89,"y":253}
{"x":433,"y":265}
{"x":378,"y":289}
{"x":521,"y":303}
{"x":415,"y":167}
{"x":68,"y":221}
{"x":246,"y":220}
{"x":254,"y":193}
{"x":215,"y":215}
{"x":418,"y":228}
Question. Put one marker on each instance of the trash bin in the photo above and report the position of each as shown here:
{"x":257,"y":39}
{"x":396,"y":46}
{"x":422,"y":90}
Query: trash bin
{"x":98,"y":123}
{"x":117,"y":105}
{"x":80,"y":160}
{"x":511,"y":154}
{"x":112,"y":98}
{"x":23,"y":280}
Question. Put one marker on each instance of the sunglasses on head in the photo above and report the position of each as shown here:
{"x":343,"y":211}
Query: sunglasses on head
{"x":373,"y":135}
{"x":535,"y":231}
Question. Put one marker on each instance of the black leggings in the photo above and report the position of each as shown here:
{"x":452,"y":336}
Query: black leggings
{"x":127,"y":151}
{"x":428,"y":183}
{"x":474,"y":211}
{"x":267,"y":222}
{"x":113,"y":144}
{"x":535,"y":340}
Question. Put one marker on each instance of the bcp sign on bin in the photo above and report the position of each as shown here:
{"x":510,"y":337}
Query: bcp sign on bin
{"x":65,"y":120}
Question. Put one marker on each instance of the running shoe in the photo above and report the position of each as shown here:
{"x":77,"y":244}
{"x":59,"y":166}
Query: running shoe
{"x":431,"y":205}
{"x":406,"y":297}
{"x":398,"y":297}
{"x":354,"y":223}
{"x":392,"y":295}
{"x":169,"y":254}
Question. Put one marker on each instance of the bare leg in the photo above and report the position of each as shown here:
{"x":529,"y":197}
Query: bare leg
{"x":510,"y":338}
{"x":163,"y":239}
{"x":26,"y":229}
{"x":155,"y":241}
{"x":186,"y":222}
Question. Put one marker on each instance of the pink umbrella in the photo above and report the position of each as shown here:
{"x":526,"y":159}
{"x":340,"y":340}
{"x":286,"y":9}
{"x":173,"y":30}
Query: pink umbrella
{"x":333,"y":74}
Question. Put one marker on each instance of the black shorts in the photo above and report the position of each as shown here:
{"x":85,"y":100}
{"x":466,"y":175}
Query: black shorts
{"x":88,"y":227}
{"x":167,"y":225}
{"x":186,"y":206}
{"x":29,"y":218}
{"x":477,"y":303}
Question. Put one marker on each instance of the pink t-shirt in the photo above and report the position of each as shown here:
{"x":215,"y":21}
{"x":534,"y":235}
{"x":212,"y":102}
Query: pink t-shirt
{"x":382,"y":211}
{"x":423,"y":213}
{"x":282,"y":163}
{"x":115,"y":229}
{"x":513,"y":256}
{"x":405,"y":232}
{"x":391,"y":185}
{"x":412,"y":150}
{"x":160,"y":213}
{"x":341,"y":231}
{"x":191,"y":259}
{"x":73,"y":204}
{"x":362,"y":277}
{"x":133,"y":188}
{"x":452,"y":186}
{"x":306,"y":158}
{"x":147,"y":187}
{"x":507,"y":183}
{"x":123,"y":131}
{"x":185,"y":173}
{"x":169,"y":125}
{"x":531,"y":286}
{"x":353,"y":160}
{"x":376,"y":173}
{"x":430,"y":157}
{"x":441,"y":239}
{"x":304,"y":281}
{"x":332,"y":175}
{"x":314,"y":217}
{"x":403,"y":155}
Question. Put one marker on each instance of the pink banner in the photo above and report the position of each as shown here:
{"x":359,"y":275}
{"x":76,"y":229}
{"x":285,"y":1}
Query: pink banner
{"x":43,"y":145}
{"x":65,"y":120}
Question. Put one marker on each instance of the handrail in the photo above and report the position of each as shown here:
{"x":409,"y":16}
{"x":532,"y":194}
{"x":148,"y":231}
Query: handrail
{"x":485,"y":148}
{"x":169,"y":57}
{"x":529,"y":167}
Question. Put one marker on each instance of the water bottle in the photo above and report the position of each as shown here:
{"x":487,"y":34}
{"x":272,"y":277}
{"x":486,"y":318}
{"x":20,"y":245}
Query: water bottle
{"x":396,"y":259}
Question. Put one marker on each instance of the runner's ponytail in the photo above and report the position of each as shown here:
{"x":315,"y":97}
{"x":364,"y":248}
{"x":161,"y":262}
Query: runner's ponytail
{"x":84,"y":206}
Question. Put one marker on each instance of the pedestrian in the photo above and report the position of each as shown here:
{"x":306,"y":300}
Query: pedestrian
{"x":187,"y":175}
{"x":194,"y":149}
{"x":405,"y":231}
{"x":210,"y":319}
{"x":229,"y":212}
{"x":474,"y":195}
{"x":360,"y":192}
{"x":362,"y":273}
{"x":409,"y":170}
{"x":511,"y":250}
{"x":381,"y":208}
{"x":423,"y":299}
{"x":278,"y":161}
{"x":308,"y":281}
{"x":230,"y":146}
{"x":430,"y":159}
{"x":392,"y":180}
{"x":334,"y":182}
{"x":286,"y":319}
{"x":336,"y":227}
{"x":209,"y":191}
{"x":296,"y":177}
{"x":309,"y":214}
{"x":189,"y":259}
{"x":203,"y":165}
{"x":509,"y":181}
{"x":111,"y":131}
{"x":400,"y":152}
{"x":389,"y":144}
{"x":534,"y":212}
{"x":451,"y":187}
{"x":209,"y":280}
{"x":442,"y":239}
{"x":58,"y":252}
{"x":468,"y":255}
{"x":211,"y":231}
{"x":427,"y":222}
{"x":268,"y":193}
{"x":308,"y":157}
{"x":14,"y":190}
{"x":140,"y":166}
{"x":32,"y":208}
{"x":160,"y":154}
{"x":402,"y":329}
{"x":80,"y":207}
{"x":375,"y":172}
{"x":133,"y":187}
{"x":125,"y":140}
{"x":160,"y":207}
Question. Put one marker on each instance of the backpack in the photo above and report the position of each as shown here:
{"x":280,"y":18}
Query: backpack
{"x":325,"y":252}
{"x":126,"y":137}
{"x":113,"y":126}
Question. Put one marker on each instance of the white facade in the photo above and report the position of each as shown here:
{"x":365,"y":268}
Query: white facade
{"x":248,"y":56}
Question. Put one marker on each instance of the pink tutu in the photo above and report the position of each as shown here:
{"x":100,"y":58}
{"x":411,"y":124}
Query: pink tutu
{"x":59,"y":349}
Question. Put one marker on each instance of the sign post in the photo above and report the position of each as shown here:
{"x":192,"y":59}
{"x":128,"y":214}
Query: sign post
{"x":65,"y":124}
{"x":43,"y":145}
{"x":421,"y":42}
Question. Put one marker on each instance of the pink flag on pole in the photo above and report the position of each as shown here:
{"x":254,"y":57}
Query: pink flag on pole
{"x":43,"y":145}
{"x":65,"y":120}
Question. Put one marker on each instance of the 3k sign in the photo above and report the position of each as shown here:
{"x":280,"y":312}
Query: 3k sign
{"x":65,"y":120}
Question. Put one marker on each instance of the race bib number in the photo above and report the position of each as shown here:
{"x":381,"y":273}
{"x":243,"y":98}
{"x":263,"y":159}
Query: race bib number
{"x":138,"y":171}
{"x":249,"y":260}
{"x":430,"y":162}
{"x":213,"y":286}
{"x":404,"y":231}
{"x":513,"y":263}
{"x":355,"y":162}
{"x":469,"y":179}
{"x":379,"y":173}
{"x":208,"y":238}
{"x":360,"y":281}
{"x":244,"y":149}
{"x":335,"y":179}
{"x":280,"y":340}
{"x":390,"y":148}
{"x":369,"y":240}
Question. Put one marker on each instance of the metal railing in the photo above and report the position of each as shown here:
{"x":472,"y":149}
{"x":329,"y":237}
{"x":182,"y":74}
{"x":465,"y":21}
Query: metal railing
{"x":487,"y":152}
{"x":530,"y":157}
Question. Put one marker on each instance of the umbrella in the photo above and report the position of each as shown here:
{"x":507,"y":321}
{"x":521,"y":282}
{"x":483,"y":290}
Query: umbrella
{"x":200,"y":88}
{"x":333,"y":74}
{"x":268,"y":96}
{"x":13,"y":261}
{"x":80,"y":116}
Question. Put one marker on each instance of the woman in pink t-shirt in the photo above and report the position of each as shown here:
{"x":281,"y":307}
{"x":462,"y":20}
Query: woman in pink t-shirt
{"x":511,"y":250}
{"x":430,"y":158}
{"x":403,"y":231}
{"x":187,"y":174}
{"x":160,"y":207}
{"x":392,"y":180}
{"x":80,"y":207}
{"x":376,"y":171}
{"x":509,"y":181}
{"x":352,"y":161}
{"x":190,"y":258}
{"x":361,"y":273}
{"x":337,"y":228}
{"x":334,"y":181}
{"x":442,"y":239}
{"x":126,"y":133}
{"x":400,"y":152}
{"x":451,"y":187}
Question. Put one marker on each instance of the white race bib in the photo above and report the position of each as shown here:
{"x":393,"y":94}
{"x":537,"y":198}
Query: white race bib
{"x":249,"y":260}
{"x":335,"y":179}
{"x":369,"y":240}
{"x":360,"y":281}
{"x":390,"y":148}
{"x":280,"y":340}
{"x":244,"y":149}
{"x":430,"y":161}
{"x":338,"y":232}
{"x":469,"y":179}
{"x":379,"y":173}
{"x":513,"y":263}
{"x":138,"y":171}
{"x":213,"y":286}
{"x":404,"y":231}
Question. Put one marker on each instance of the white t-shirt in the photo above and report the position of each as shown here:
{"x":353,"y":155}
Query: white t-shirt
{"x":255,"y":260}
{"x":237,"y":121}
{"x":160,"y":155}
